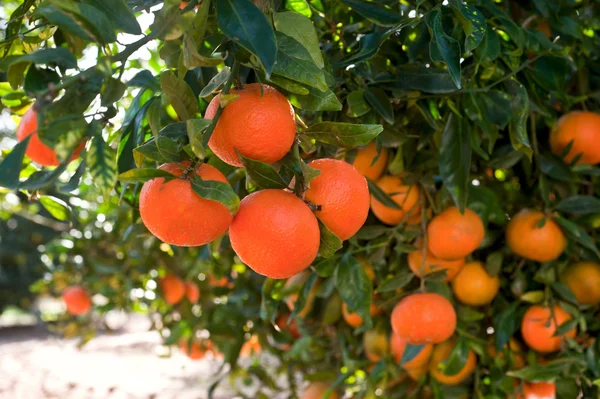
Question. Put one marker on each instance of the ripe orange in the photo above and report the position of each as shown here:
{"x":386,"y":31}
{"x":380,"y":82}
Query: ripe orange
{"x":37,"y":151}
{"x":376,"y":345}
{"x":538,"y":390}
{"x":173,"y":289}
{"x":363,"y":162}
{"x":424,"y":318}
{"x":192,"y":292}
{"x":296,"y":282}
{"x":516,"y":353}
{"x":474,"y":286}
{"x":222,"y":282}
{"x":343,"y":195}
{"x":353,"y":319}
{"x":316,"y":390}
{"x":77,"y":300}
{"x":526,"y":239}
{"x":174,"y":213}
{"x":538,"y":328}
{"x":432,"y":264}
{"x":583,"y":279}
{"x":275,"y":233}
{"x":196,"y":350}
{"x":583,"y":129}
{"x":405,"y":196}
{"x":292,"y":327}
{"x":260,"y":126}
{"x":251,"y":347}
{"x":398,"y":344}
{"x":452,"y":235}
{"x":441,"y":352}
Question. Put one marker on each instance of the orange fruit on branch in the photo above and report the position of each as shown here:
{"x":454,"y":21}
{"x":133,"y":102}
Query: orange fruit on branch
{"x":353,"y":319}
{"x":192,"y":292}
{"x":196,"y":350}
{"x":582,"y":128}
{"x":174,"y":213}
{"x":259,"y":125}
{"x":453,"y":235}
{"x":432,"y":264}
{"x":537,"y":390}
{"x":539,"y":326}
{"x":363,"y":162}
{"x":275,"y":233}
{"x":37,"y":151}
{"x":440,"y":354}
{"x":583,"y":279}
{"x":173,"y":289}
{"x":405,"y":196}
{"x":316,"y":390}
{"x":474,"y":286}
{"x":77,"y":300}
{"x":526,"y":238}
{"x":343,"y":195}
{"x":424,"y":318}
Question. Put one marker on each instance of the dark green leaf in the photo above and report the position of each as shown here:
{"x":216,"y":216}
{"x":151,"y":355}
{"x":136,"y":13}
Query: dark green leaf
{"x":44,"y":178}
{"x":49,"y":56}
{"x":375,"y":12}
{"x":66,"y":22}
{"x":75,"y":180}
{"x":289,"y":85}
{"x":268,"y":305}
{"x":102,"y":164}
{"x":345,"y":135}
{"x":473,"y":23}
{"x":545,"y":372}
{"x":506,"y":323}
{"x":401,"y":280}
{"x":377,"y":98}
{"x":564,"y":292}
{"x":381,"y":195}
{"x":244,"y":23}
{"x":357,"y":105}
{"x":180,"y":95}
{"x":10,"y":167}
{"x":457,"y":359}
{"x":410,"y":352}
{"x":518,"y":125}
{"x":119,"y":14}
{"x":330,"y":243}
{"x":217,"y":191}
{"x":56,"y":207}
{"x":455,"y":161}
{"x":552,"y":72}
{"x":554,"y":167}
{"x":578,"y":234}
{"x":294,"y":62}
{"x":444,"y":48}
{"x":300,"y":28}
{"x":368,"y":46}
{"x":196,"y":129}
{"x":38,"y":79}
{"x":493,"y":263}
{"x":355,"y":287}
{"x":262,"y":174}
{"x":579,"y":205}
{"x":317,"y":100}
{"x":144,"y":79}
{"x":489,"y":49}
{"x":414,"y":77}
{"x":113,"y":91}
{"x":143,"y":175}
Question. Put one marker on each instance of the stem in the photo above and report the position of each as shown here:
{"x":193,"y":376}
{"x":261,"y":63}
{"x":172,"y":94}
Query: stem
{"x":235,"y":70}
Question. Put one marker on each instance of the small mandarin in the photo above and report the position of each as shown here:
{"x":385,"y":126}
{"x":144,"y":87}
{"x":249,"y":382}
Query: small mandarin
{"x":424,"y":318}
{"x":363,"y":162}
{"x":77,"y":300}
{"x":453,"y":235}
{"x":582,"y":128}
{"x":583,"y":279}
{"x":526,"y":238}
{"x":473,"y":285}
{"x":405,"y":196}
{"x":539,"y":325}
{"x":441,"y":352}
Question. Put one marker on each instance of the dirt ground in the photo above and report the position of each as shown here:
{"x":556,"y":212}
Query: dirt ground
{"x":36,"y":365}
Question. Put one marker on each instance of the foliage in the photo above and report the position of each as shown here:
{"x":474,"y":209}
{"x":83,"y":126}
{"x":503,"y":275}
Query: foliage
{"x":464,"y":95}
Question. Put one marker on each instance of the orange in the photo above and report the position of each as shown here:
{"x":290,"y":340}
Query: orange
{"x":424,"y":318}
{"x":275,"y":233}
{"x":583,"y":129}
{"x":296,"y":282}
{"x":525,"y":238}
{"x":538,"y":328}
{"x":452,"y":235}
{"x":353,"y":319}
{"x":376,"y":345}
{"x":343,"y":195}
{"x":367,"y":268}
{"x":474,"y":286}
{"x":316,"y":390}
{"x":292,"y":327}
{"x":441,"y":353}
{"x":432,"y":264}
{"x":37,"y":151}
{"x":363,"y":162}
{"x":192,"y":292}
{"x":260,"y":126}
{"x":405,"y":196}
{"x":537,"y":390}
{"x":251,"y":347}
{"x":398,"y":345}
{"x":222,"y":282}
{"x":173,"y":289}
{"x":516,"y":353}
{"x":77,"y":300}
{"x":174,"y":213}
{"x":196,"y":350}
{"x":583,"y":279}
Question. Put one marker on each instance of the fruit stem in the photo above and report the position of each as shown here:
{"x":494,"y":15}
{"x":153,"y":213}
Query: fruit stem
{"x":312,"y":206}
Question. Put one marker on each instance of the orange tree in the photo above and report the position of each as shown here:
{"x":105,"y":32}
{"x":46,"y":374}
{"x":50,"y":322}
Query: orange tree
{"x":393,"y":199}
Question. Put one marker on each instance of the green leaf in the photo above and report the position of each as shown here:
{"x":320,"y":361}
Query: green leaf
{"x":216,"y":82}
{"x":400,"y":280}
{"x":299,"y":6}
{"x":579,"y":205}
{"x":375,"y":12}
{"x":304,"y":294}
{"x":191,"y":56}
{"x":180,"y":95}
{"x":268,"y":305}
{"x":346,"y":135}
{"x":102,"y":164}
{"x":368,"y":46}
{"x":14,"y":24}
{"x":38,"y":79}
{"x":49,"y":56}
{"x":473,"y":23}
{"x":196,"y":129}
{"x":113,"y":91}
{"x":317,"y":100}
{"x":493,"y":263}
{"x":381,"y":195}
{"x":416,"y":77}
{"x":244,"y":23}
{"x":330,"y":243}
{"x":289,"y":85}
{"x":75,"y":180}
{"x":295,"y":63}
{"x":262,"y":174}
{"x":300,"y":28}
{"x":554,"y":167}
{"x":217,"y":191}
{"x":564,"y":292}
{"x":566,"y":327}
{"x":146,"y":80}
{"x":66,"y":22}
{"x":553,"y":72}
{"x":506,"y":323}
{"x":44,"y":178}
{"x":517,"y":128}
{"x":457,"y":359}
{"x":119,"y":14}
{"x":578,"y":234}
{"x":410,"y":352}
{"x":489,"y":49}
{"x":546,"y":372}
{"x":442,"y":47}
{"x":143,"y":175}
{"x":10,"y":167}
{"x":377,"y":98}
{"x":355,"y":287}
{"x":357,"y":105}
{"x":56,"y":207}
{"x":455,"y":161}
